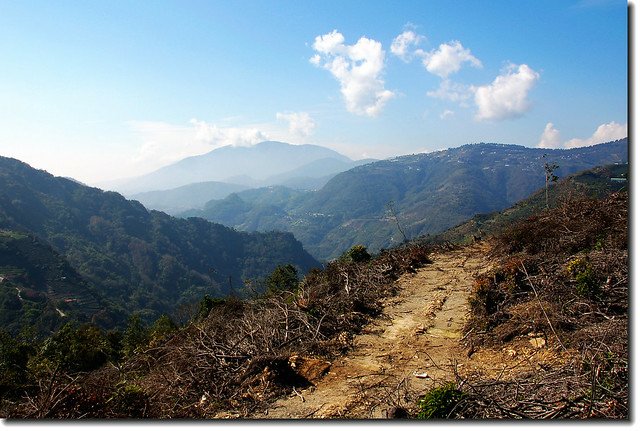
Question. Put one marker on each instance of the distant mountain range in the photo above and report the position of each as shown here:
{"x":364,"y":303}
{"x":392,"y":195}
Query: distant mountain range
{"x":115,"y":251}
{"x":72,"y":251}
{"x":266,"y":163}
{"x":382,"y":203}
{"x":312,"y":176}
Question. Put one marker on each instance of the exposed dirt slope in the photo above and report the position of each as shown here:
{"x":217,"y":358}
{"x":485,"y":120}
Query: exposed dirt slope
{"x":399,"y":356}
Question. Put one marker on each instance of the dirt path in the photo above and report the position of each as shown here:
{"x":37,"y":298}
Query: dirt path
{"x":404,"y":353}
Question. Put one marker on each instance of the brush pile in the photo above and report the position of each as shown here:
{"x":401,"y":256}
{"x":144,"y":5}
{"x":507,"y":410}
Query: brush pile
{"x":564,"y":277}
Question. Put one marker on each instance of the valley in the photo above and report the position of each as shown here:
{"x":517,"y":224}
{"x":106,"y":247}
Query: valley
{"x":133,"y":260}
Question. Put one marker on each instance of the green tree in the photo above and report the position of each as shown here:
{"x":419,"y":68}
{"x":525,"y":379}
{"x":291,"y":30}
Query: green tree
{"x":135,"y":336}
{"x":13,"y":363}
{"x":283,"y":278}
{"x":74,"y":348}
{"x":549,"y":177}
{"x":357,"y":253}
{"x":162,"y":327}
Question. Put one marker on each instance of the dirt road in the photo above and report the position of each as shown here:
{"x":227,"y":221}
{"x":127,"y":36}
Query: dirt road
{"x":399,"y":356}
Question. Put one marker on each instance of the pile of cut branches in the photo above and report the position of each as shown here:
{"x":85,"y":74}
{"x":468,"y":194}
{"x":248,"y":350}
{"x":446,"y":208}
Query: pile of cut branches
{"x":564,"y":275}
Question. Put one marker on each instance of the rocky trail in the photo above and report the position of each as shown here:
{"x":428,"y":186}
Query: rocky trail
{"x":412,"y":347}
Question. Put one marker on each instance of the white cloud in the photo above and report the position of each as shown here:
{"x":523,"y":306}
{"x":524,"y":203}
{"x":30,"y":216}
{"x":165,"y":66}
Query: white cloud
{"x":403,"y":42}
{"x":330,"y":43}
{"x":220,"y":136}
{"x":612,"y":131}
{"x":550,"y":138}
{"x":446,"y":114}
{"x":300,"y":123}
{"x":604,"y":133}
{"x":452,"y":91}
{"x":448,"y":59}
{"x":506,"y":97}
{"x":164,"y":143}
{"x":358,"y":68}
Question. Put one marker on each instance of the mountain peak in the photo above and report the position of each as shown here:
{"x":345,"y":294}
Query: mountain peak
{"x":259,"y":162}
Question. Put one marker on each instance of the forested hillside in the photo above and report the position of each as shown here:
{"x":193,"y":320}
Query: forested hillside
{"x":40,"y":290}
{"x":139,"y":260}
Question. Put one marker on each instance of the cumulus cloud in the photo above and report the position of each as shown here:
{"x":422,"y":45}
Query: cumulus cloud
{"x":330,"y":43}
{"x":315,"y":60}
{"x":604,"y":133}
{"x":506,"y":96}
{"x":300,"y":123}
{"x":448,"y":59}
{"x":452,"y":91}
{"x":402,"y":44}
{"x":220,"y":136}
{"x":550,"y":138}
{"x":607,"y":132}
{"x":358,"y":68}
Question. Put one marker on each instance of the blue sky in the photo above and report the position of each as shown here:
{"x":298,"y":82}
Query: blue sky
{"x":99,"y":90}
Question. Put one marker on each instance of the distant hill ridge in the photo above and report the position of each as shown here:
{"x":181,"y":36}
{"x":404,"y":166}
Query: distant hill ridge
{"x":311,"y":176}
{"x":381,"y":203}
{"x":258,"y":162}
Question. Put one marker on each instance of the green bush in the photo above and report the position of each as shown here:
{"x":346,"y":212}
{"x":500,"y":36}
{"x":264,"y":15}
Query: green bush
{"x":136,"y":335}
{"x":13,"y":363}
{"x":162,"y":327}
{"x":586,"y":280}
{"x":357,"y":253}
{"x":73,"y":348}
{"x":129,"y":400}
{"x":586,"y":283}
{"x":439,"y":402}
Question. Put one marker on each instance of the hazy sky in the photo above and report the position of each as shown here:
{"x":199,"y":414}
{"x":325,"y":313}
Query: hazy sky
{"x":105,"y":89}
